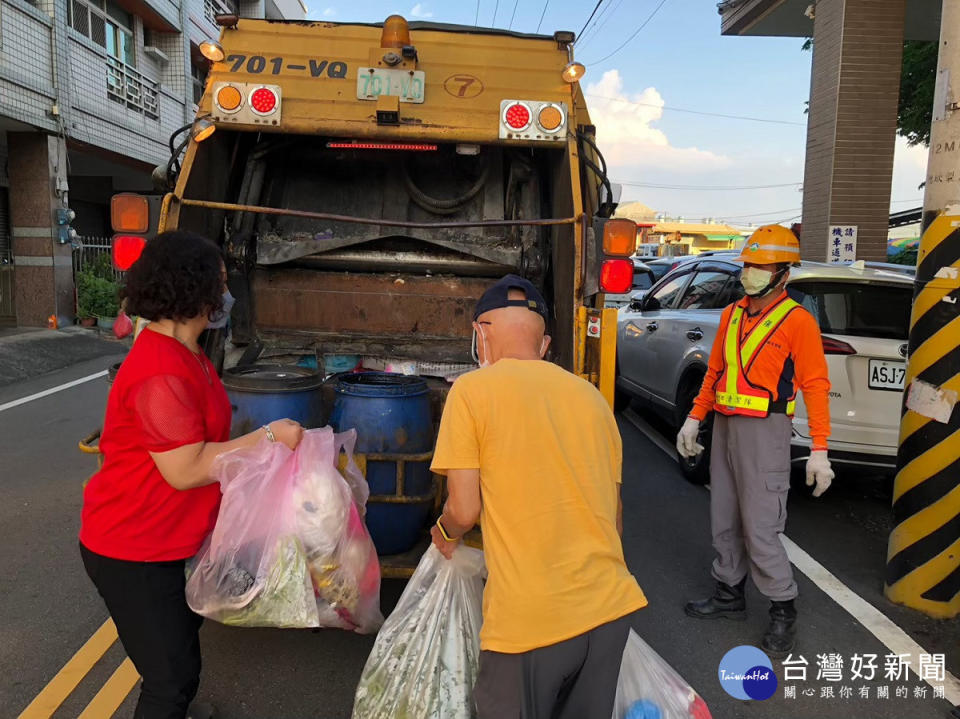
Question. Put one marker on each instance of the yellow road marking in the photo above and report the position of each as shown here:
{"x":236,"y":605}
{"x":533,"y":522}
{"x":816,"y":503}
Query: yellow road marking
{"x":112,"y":694}
{"x":67,"y":679}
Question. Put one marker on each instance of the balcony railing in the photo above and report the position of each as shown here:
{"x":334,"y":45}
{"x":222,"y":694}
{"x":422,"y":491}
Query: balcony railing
{"x":128,"y":87}
{"x":212,"y":8}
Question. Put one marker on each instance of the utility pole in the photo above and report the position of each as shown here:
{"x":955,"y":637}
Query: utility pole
{"x":923,"y":558}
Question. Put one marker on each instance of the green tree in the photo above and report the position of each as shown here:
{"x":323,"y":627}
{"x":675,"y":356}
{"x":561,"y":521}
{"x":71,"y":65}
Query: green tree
{"x":917,"y":80}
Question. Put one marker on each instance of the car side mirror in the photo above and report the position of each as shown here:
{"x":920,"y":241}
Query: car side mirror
{"x":649,"y":304}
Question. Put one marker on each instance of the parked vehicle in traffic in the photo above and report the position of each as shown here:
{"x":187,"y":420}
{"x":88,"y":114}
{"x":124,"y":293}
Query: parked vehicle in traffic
{"x":643,"y":279}
{"x":664,"y":343}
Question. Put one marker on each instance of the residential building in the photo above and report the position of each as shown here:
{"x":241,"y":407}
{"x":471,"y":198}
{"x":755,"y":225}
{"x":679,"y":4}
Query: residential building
{"x":90,"y":93}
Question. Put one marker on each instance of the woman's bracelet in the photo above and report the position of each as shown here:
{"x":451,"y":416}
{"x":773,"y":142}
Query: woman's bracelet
{"x":270,"y":435}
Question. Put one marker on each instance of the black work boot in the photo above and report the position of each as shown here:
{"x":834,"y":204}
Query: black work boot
{"x":727,"y":601}
{"x":782,"y":633}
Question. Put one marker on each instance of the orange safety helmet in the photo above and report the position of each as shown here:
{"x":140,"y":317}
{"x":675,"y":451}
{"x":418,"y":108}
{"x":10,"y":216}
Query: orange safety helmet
{"x":771,"y":244}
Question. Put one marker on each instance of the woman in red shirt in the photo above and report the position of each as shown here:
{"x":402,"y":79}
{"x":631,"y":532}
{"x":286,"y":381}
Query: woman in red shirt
{"x":153,"y":502}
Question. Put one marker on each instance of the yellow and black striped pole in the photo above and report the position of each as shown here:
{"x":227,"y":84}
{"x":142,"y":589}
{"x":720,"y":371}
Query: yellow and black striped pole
{"x":923,"y":557}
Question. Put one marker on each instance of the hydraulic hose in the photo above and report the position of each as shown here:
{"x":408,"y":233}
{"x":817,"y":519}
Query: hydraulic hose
{"x":445,"y":206}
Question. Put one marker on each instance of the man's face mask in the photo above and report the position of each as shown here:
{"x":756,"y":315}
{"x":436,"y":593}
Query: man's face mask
{"x":474,"y":351}
{"x":755,"y":281}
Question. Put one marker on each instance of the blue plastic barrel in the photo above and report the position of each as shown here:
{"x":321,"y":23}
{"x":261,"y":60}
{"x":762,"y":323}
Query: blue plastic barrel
{"x":391,"y":414}
{"x":262,"y":393}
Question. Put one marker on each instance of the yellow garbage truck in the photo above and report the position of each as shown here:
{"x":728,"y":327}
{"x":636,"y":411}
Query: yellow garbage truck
{"x":368,"y":181}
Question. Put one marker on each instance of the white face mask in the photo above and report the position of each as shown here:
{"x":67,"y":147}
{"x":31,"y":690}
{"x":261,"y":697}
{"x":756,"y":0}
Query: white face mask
{"x":473,"y":348}
{"x":755,"y":280}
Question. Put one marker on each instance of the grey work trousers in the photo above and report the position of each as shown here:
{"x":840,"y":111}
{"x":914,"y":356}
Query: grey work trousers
{"x":572,"y":679}
{"x":749,"y":481}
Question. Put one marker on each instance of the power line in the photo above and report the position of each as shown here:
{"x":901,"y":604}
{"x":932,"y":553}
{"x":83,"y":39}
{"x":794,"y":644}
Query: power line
{"x":495,"y":8}
{"x":543,"y":14}
{"x":706,"y":187}
{"x":595,"y":8}
{"x":513,"y":14}
{"x":696,"y":112}
{"x":636,"y":32}
{"x":602,"y":19}
{"x":476,"y":20}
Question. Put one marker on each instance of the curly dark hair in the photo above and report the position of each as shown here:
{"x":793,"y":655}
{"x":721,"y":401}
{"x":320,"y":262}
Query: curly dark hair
{"x":178,"y":276}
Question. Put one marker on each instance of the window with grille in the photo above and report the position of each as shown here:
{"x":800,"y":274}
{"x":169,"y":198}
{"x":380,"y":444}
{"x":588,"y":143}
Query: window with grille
{"x":107,"y":24}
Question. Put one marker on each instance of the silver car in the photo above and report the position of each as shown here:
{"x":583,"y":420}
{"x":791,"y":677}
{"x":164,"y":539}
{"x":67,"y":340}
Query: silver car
{"x":664,"y":343}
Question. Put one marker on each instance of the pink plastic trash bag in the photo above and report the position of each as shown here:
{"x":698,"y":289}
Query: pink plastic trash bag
{"x":649,"y":688}
{"x":122,"y":326}
{"x":289,"y":548}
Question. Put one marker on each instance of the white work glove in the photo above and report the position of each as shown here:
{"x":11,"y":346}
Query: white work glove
{"x":819,"y":472}
{"x":687,"y":445}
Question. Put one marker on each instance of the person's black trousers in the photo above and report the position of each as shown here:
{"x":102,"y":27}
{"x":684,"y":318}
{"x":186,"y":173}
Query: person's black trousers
{"x":158,"y":630}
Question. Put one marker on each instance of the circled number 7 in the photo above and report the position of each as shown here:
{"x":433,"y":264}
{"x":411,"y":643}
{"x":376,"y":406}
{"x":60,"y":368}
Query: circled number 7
{"x":465,"y":82}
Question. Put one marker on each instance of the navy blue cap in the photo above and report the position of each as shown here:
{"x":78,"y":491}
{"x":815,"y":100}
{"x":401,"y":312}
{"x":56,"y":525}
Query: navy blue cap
{"x":498,"y":296}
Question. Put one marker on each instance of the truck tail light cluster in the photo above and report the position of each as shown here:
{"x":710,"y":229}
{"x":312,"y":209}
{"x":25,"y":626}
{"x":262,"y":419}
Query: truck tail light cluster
{"x":532,"y":120}
{"x":130,"y":219}
{"x":619,"y":242}
{"x":246,"y":103}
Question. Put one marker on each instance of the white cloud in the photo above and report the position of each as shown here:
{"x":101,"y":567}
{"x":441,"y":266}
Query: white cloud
{"x":420,"y":10}
{"x":330,"y":12}
{"x":909,"y":170}
{"x":628,"y":139}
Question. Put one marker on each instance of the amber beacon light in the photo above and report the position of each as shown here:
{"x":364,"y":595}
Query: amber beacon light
{"x":396,"y":32}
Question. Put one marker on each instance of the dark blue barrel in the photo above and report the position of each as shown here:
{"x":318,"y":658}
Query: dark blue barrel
{"x":391,"y":414}
{"x":262,"y":393}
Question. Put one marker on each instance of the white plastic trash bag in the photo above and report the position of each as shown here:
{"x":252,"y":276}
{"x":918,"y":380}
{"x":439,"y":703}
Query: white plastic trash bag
{"x":425,"y":660}
{"x":289,"y":548}
{"x":649,"y":688}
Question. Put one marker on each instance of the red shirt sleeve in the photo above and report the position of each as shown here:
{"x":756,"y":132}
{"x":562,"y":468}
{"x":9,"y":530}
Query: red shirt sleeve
{"x":168,"y":412}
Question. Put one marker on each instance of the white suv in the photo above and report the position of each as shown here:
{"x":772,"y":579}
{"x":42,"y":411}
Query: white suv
{"x":664,"y":343}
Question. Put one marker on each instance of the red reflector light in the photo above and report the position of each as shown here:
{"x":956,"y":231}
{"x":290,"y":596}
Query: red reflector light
{"x":126,"y":250}
{"x":616,"y":276}
{"x":380,"y":146}
{"x":836,"y":347}
{"x":517,"y":116}
{"x":263,"y":100}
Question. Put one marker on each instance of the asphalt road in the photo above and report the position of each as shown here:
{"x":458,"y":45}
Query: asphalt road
{"x":48,"y":608}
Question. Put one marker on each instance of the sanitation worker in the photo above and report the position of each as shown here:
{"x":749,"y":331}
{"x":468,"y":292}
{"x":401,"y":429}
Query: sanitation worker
{"x":541,"y":448}
{"x":766,"y":349}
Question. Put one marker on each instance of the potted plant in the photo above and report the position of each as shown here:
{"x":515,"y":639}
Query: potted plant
{"x":106,"y":302}
{"x":85,"y":299}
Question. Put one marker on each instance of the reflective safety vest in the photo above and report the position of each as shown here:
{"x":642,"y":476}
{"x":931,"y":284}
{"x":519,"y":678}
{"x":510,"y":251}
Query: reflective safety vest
{"x":734,"y":393}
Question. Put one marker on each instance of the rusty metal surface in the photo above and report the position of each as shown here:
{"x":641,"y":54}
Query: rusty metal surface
{"x":232,"y":207}
{"x":369,"y":310}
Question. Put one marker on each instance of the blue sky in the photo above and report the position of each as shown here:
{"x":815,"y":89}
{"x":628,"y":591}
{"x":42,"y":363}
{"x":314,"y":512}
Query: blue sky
{"x":679,"y":60}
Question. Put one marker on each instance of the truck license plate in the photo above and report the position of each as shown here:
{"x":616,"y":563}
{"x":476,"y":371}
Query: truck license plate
{"x":886,"y":375}
{"x":375,"y":81}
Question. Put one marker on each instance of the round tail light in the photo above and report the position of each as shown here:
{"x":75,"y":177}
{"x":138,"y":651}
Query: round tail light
{"x":550,"y":118}
{"x":263,"y":101}
{"x":517,"y":116}
{"x":229,"y":98}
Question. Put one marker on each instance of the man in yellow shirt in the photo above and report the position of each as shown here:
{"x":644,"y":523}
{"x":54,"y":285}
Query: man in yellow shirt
{"x":534,"y":453}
